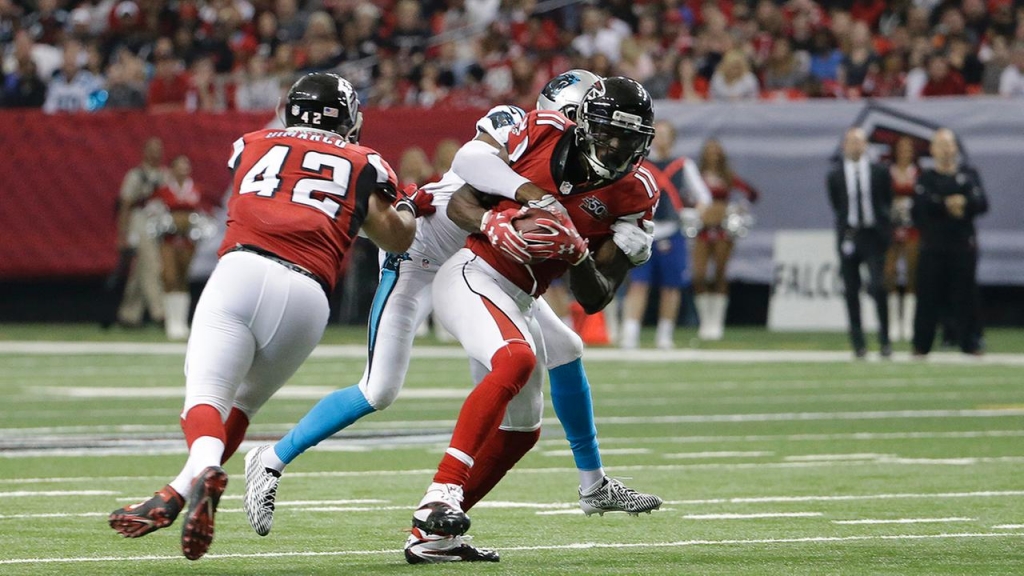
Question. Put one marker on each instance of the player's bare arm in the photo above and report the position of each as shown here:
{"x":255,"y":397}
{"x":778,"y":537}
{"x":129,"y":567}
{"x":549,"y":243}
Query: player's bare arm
{"x":391,"y":229}
{"x":596,"y":278}
{"x":466,"y":208}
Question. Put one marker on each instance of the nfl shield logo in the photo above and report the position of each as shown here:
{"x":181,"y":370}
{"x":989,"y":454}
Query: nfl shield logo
{"x":295,"y":109}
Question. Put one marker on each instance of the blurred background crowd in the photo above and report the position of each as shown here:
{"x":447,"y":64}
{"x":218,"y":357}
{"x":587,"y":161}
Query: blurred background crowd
{"x":214,"y":55}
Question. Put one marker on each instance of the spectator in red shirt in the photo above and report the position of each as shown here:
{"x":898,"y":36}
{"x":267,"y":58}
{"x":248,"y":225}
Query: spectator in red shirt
{"x":169,"y":87}
{"x":943,"y":80}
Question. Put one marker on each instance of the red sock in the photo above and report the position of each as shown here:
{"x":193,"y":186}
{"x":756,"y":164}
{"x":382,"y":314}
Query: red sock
{"x":202,"y":420}
{"x":484,"y":408}
{"x":234,"y":429}
{"x":498,"y":455}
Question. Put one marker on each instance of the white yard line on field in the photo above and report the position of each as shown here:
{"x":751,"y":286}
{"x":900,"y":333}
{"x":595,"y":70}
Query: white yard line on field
{"x":30,"y":493}
{"x":600,"y":420}
{"x":1008,"y":526}
{"x":609,"y":451}
{"x":863,"y":436}
{"x":573,"y":546}
{"x":752,"y":516}
{"x":836,"y":457}
{"x":356,"y":351}
{"x":849,"y":497}
{"x":904,"y":520}
{"x":287,"y":392}
{"x":722,"y":454}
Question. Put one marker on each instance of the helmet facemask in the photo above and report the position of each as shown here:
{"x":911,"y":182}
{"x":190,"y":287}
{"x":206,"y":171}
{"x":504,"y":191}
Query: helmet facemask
{"x":614,"y":147}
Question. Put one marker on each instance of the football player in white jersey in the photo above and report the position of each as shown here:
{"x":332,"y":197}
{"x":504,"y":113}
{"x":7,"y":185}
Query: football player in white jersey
{"x":403,"y":300}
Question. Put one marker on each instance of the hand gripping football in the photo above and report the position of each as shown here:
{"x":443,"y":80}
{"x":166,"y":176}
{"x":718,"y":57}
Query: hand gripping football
{"x":549,"y":235}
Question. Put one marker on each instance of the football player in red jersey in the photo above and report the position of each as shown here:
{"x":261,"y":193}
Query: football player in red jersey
{"x":300,"y":197}
{"x":485,"y":293}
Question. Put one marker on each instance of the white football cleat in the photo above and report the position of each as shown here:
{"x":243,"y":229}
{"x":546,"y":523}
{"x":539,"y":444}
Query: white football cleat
{"x":614,"y":496}
{"x":260,"y":491}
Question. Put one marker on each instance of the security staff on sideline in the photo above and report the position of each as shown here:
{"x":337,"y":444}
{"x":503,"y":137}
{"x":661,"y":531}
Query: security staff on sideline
{"x":947,"y":198}
{"x":861,"y":195}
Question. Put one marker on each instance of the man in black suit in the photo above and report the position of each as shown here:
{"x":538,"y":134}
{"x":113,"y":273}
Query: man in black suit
{"x":861,"y":195}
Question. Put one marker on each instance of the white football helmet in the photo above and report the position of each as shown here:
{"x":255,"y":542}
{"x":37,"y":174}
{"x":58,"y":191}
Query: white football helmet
{"x":565,"y":92}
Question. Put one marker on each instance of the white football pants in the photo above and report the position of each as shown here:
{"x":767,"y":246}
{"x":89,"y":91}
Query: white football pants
{"x":255,"y":324}
{"x":404,"y":300}
{"x":486,"y":312}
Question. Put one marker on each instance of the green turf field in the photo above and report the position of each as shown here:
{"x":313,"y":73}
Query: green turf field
{"x":823,"y":466}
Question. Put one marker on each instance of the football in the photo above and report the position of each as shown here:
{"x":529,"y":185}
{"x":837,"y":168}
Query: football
{"x":527,"y":221}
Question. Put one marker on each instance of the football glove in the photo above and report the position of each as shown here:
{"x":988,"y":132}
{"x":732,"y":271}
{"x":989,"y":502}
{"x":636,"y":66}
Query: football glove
{"x":497,"y":227}
{"x":416,"y":200}
{"x":549,"y":203}
{"x":635,"y":239}
{"x":558,"y":239}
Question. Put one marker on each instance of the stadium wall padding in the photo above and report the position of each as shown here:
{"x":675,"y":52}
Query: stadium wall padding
{"x":61,"y":174}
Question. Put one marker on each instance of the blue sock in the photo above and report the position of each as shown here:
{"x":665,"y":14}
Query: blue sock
{"x":334,"y":412}
{"x":339,"y":409}
{"x":570,"y":395}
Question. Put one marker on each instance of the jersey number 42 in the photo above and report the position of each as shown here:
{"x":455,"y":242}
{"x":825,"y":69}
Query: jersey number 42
{"x":263,"y":178}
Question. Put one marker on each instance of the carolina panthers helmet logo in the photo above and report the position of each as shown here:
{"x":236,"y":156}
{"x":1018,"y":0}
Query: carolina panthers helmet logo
{"x":560,"y":83}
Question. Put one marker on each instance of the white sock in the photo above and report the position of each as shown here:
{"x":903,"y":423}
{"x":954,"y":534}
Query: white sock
{"x":270,"y":460}
{"x":665,"y":330}
{"x":206,"y":451}
{"x":591,"y":480}
{"x":630,"y":333}
{"x":183,"y":483}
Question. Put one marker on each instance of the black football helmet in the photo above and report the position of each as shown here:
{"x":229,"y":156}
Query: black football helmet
{"x":615,"y":126}
{"x":326,"y":101}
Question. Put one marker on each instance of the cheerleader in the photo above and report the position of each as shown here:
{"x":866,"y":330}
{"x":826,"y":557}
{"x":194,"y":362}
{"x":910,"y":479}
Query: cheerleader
{"x":715,"y":240}
{"x":904,"y":245}
{"x":177,"y":203}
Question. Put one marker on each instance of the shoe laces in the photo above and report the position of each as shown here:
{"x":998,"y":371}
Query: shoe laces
{"x":269,"y":497}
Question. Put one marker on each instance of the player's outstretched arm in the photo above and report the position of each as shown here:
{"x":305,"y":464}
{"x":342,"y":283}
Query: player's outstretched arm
{"x":483,"y":164}
{"x":392,"y":229}
{"x":596,"y":278}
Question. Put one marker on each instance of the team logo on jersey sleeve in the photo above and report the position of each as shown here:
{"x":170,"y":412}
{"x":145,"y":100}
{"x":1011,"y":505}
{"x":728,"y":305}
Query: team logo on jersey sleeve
{"x":594,"y":207}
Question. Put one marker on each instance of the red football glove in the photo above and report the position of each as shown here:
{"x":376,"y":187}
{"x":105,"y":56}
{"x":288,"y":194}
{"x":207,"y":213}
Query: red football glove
{"x":558,"y":239}
{"x":497,"y":226}
{"x":416,"y":200}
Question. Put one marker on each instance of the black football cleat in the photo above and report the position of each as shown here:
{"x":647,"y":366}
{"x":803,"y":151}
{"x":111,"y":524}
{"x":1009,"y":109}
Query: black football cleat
{"x":149,"y":515}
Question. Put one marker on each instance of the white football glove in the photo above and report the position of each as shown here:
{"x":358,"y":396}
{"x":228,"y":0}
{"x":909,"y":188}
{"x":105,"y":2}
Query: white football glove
{"x":635,"y":239}
{"x":549,"y":203}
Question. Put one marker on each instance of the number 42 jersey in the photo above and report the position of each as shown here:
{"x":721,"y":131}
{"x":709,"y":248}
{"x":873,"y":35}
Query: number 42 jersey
{"x":303,"y":194}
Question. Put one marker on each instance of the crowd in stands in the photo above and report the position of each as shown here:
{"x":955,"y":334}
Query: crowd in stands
{"x":213,"y":55}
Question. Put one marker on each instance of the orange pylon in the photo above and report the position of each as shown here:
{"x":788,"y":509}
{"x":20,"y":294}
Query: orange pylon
{"x":591,"y":327}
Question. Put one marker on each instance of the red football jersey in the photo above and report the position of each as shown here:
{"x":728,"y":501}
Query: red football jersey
{"x":303,"y":194}
{"x":538,"y":148}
